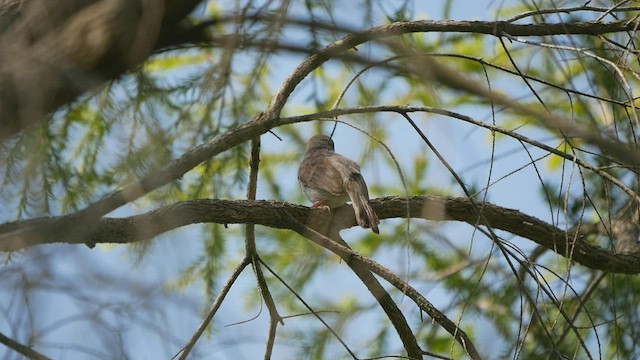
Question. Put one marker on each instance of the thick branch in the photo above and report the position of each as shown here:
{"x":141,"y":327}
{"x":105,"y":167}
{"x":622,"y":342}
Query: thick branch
{"x":53,"y":52}
{"x":270,"y":118}
{"x":382,"y":297}
{"x":276,"y":214}
{"x":358,"y":263}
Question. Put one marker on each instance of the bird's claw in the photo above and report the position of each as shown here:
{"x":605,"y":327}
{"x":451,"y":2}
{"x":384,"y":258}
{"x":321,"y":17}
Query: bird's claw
{"x":321,"y":206}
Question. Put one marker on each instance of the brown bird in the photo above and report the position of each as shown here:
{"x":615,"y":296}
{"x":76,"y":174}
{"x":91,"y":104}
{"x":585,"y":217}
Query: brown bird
{"x":329,"y":180}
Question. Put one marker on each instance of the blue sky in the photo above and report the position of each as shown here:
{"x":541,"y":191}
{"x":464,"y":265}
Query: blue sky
{"x":462,"y":146}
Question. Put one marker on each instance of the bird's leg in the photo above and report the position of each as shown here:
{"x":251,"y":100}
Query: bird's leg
{"x":321,"y":205}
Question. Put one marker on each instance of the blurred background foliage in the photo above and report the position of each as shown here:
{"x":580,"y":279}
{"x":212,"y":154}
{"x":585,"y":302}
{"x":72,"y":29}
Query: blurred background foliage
{"x":531,"y":304}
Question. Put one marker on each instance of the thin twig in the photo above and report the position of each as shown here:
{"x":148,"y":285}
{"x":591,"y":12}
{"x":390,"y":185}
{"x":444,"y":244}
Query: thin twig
{"x":214,"y":308}
{"x":350,"y":257}
{"x":614,"y":66}
{"x":252,"y":252}
{"x":570,"y":10}
{"x":492,"y":235}
{"x":264,"y":122}
{"x":21,"y":349}
{"x":315,"y":313}
{"x":409,"y":109}
{"x":430,"y":70}
{"x":383,"y":298}
{"x":589,"y":291}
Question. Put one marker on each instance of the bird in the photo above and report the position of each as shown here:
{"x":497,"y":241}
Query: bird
{"x":329,"y":180}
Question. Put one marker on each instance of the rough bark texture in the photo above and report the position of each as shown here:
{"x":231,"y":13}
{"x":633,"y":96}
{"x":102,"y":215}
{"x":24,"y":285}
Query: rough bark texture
{"x":51,"y":52}
{"x":278,"y":214}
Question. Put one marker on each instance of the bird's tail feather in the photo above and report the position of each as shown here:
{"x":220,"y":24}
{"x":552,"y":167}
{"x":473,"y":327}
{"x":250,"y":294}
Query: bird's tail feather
{"x":359,"y":195}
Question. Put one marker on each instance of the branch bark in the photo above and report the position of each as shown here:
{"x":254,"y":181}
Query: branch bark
{"x":276,"y":214}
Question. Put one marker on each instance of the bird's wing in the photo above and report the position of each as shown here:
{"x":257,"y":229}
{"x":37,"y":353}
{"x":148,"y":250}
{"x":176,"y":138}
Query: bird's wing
{"x":327,"y":177}
{"x":322,"y":173}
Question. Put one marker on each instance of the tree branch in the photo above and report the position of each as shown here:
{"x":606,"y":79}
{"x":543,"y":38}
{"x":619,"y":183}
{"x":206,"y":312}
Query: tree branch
{"x":53,"y":52}
{"x":22,"y":349}
{"x":47,"y":230}
{"x":427,"y":109}
{"x":270,"y":118}
{"x":360,"y":264}
{"x":431,"y":70}
{"x":382,"y":297}
{"x":496,"y":28}
{"x":184,"y":352}
{"x":252,"y":252}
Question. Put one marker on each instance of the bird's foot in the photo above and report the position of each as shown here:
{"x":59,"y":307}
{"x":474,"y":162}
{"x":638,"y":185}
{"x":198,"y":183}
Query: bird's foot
{"x":320,"y":205}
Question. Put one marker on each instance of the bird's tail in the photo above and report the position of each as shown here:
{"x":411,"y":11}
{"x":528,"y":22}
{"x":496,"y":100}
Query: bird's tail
{"x":359,"y":195}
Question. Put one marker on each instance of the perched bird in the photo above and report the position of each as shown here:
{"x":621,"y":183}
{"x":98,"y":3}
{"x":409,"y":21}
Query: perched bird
{"x":329,"y":180}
